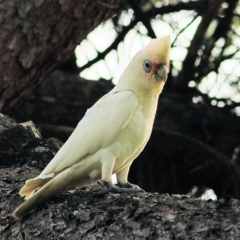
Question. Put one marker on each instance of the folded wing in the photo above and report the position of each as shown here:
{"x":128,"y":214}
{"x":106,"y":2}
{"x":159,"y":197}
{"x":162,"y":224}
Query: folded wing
{"x":98,"y":128}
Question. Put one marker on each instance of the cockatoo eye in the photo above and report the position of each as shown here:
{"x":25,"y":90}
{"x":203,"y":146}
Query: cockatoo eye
{"x":147,"y":66}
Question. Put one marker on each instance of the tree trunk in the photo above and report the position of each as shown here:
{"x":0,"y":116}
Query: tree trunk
{"x":114,"y":216}
{"x":37,"y":36}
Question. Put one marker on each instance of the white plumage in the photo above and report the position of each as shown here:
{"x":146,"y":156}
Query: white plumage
{"x":112,"y":133}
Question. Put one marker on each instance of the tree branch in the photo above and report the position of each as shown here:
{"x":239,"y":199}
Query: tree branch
{"x":187,"y":72}
{"x":38,"y":36}
{"x":101,"y":55}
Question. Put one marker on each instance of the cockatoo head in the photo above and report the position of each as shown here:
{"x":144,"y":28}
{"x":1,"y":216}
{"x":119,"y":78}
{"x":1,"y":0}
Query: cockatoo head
{"x":147,"y":72}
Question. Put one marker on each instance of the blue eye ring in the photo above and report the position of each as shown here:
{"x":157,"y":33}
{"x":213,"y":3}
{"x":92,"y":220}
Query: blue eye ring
{"x":147,"y":66}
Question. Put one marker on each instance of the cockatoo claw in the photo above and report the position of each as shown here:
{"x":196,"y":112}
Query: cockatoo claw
{"x":126,"y":187}
{"x":130,"y":186}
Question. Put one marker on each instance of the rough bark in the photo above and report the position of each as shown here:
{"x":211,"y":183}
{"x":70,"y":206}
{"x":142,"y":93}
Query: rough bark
{"x":123,"y":216}
{"x":22,"y":143}
{"x":37,"y":36}
{"x":114,"y":216}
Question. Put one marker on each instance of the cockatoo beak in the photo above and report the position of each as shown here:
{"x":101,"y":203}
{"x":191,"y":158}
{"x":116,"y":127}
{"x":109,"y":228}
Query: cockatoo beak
{"x":161,"y":72}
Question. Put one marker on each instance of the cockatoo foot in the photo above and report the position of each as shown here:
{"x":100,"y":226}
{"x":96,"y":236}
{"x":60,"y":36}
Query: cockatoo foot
{"x":126,"y":187}
{"x":131,"y":186}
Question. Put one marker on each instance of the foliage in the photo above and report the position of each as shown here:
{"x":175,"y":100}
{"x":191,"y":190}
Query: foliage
{"x":205,"y":46}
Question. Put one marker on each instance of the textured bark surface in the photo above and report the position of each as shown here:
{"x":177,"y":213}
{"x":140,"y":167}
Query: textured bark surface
{"x":23,"y":143}
{"x":122,"y":216}
{"x":24,"y":153}
{"x":113,"y":216}
{"x":36,"y":36}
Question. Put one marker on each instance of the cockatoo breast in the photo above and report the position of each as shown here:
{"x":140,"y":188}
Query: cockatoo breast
{"x":130,"y":142}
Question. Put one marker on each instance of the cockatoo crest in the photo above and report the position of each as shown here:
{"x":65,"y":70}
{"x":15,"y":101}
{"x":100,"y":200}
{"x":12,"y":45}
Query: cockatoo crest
{"x":159,"y":50}
{"x":148,"y":67}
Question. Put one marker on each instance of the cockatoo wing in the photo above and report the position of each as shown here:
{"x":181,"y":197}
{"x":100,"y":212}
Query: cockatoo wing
{"x":98,"y":128}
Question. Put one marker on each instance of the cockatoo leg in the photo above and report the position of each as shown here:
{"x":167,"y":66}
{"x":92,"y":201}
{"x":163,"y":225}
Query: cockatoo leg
{"x":122,"y":179}
{"x":122,"y":186}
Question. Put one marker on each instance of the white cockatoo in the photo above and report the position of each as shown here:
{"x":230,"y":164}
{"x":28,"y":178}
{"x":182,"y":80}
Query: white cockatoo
{"x":110,"y":136}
